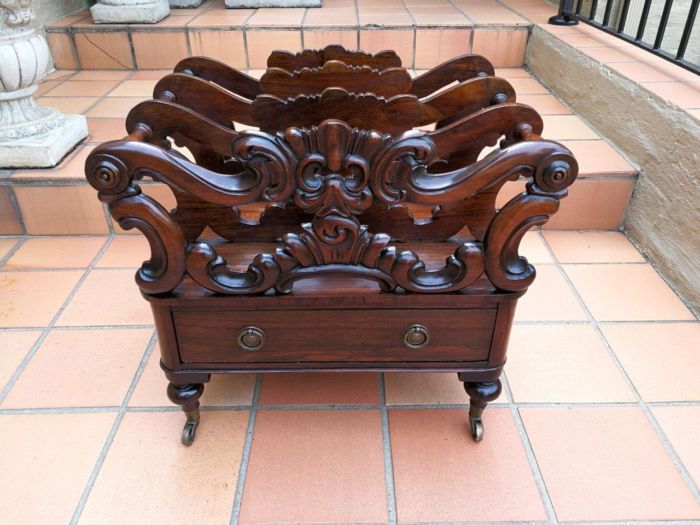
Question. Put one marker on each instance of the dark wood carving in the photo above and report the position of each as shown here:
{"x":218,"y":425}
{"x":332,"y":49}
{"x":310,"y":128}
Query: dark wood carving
{"x":393,"y":115}
{"x":335,"y":173}
{"x":480,"y":130}
{"x":317,"y":57}
{"x":333,"y":203}
{"x":458,"y":69}
{"x":221,"y":74}
{"x":358,"y":79}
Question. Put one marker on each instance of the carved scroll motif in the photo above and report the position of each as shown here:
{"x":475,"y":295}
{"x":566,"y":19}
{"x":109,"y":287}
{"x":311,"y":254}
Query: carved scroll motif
{"x":131,"y":209}
{"x":505,"y":268}
{"x":333,"y":173}
{"x":360,"y":79}
{"x":364,"y":110}
{"x":318,"y":57}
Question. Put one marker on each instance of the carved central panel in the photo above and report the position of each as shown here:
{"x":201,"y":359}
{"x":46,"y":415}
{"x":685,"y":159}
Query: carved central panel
{"x":334,"y":168}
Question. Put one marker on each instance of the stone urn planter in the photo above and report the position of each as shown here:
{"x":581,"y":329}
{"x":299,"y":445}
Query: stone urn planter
{"x":129,"y":11}
{"x":31,"y":135}
{"x":272,"y":3}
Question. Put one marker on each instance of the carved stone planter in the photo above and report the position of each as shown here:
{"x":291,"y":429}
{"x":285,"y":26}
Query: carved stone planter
{"x":130,"y":11}
{"x":180,"y":4}
{"x":31,"y":136}
{"x":273,"y":3}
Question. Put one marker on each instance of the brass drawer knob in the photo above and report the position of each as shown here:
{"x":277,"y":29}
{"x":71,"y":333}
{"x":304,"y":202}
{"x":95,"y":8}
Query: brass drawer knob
{"x":251,"y":338}
{"x":416,"y":336}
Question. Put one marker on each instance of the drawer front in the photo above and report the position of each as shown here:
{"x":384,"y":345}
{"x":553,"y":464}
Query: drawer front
{"x":206,"y":336}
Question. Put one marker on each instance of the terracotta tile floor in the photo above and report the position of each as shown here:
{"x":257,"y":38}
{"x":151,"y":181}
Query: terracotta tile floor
{"x":598,"y":422}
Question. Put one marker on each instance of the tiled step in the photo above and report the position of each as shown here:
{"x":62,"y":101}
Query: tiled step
{"x":423,"y":34}
{"x":59,"y":201}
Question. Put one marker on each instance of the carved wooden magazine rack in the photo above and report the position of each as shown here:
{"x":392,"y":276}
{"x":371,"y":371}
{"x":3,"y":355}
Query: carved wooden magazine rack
{"x":332,"y":239}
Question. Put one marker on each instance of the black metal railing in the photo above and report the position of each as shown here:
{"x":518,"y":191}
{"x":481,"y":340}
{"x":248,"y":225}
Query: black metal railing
{"x":643,"y":23}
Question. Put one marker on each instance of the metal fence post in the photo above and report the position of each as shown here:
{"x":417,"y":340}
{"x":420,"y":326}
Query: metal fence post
{"x":561,"y":18}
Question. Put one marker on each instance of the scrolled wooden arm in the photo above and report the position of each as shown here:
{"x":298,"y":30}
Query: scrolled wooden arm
{"x":267,"y":176}
{"x":505,"y":268}
{"x":107,"y":173}
{"x":548,"y":163}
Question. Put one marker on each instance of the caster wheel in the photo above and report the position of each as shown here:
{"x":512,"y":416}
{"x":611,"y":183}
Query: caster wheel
{"x":188,"y":433}
{"x":477,"y":429}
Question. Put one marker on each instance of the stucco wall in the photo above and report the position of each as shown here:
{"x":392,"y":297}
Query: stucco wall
{"x":663,"y":217}
{"x":49,"y":10}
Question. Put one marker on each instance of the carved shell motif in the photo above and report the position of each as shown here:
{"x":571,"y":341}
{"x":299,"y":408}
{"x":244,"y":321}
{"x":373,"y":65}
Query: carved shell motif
{"x":332,"y":174}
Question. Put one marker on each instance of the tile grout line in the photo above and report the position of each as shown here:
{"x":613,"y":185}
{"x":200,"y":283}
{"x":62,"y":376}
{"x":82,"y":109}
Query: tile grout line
{"x":14,"y":204}
{"x":113,"y":431}
{"x":246,"y":49}
{"x":285,"y":408}
{"x":578,"y":522}
{"x":357,"y":17}
{"x":301,"y":27}
{"x":388,"y":457}
{"x":64,"y":269}
{"x":19,"y":242}
{"x":530,"y":455}
{"x":245,"y":454}
{"x":47,"y":329}
{"x":643,"y":253}
{"x":78,"y":327}
{"x":137,"y":326}
{"x":414,"y":29}
{"x":472,"y":28}
{"x":675,"y":458}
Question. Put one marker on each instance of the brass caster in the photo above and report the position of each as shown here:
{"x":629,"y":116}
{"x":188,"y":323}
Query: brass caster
{"x":190,"y":429}
{"x":477,"y":428}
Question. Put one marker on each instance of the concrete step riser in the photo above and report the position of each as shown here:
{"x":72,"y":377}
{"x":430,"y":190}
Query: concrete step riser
{"x":143,"y":48}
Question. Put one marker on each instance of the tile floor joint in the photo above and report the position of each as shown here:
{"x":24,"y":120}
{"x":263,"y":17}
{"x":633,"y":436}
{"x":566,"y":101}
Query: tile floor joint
{"x":245,"y":454}
{"x":392,"y":516}
{"x":113,"y":431}
{"x":673,"y":455}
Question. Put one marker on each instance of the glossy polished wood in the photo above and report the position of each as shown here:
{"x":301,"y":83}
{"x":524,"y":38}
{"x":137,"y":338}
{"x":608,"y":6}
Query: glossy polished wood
{"x":458,"y":69}
{"x":332,"y":245}
{"x":275,"y":109}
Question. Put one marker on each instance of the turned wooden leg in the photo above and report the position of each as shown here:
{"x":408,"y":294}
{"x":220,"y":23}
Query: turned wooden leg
{"x":480,"y":394}
{"x":187,"y":396}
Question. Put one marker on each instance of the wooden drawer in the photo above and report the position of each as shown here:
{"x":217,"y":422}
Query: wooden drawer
{"x":208,"y":336}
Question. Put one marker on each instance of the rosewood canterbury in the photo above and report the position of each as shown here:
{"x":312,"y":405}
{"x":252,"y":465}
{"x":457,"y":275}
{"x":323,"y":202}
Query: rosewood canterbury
{"x":337,"y":237}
